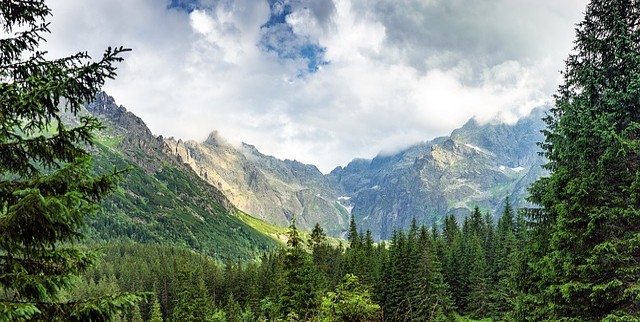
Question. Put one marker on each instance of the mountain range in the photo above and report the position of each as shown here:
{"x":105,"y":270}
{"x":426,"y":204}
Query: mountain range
{"x":477,"y":165}
{"x":196,"y":193}
{"x":159,"y":199}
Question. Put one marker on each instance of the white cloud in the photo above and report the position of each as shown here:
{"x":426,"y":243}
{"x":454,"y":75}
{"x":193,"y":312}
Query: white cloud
{"x":399,"y":72}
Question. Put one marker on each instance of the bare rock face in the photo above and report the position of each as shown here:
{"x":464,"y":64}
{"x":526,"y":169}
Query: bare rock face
{"x":263,"y":186}
{"x":136,"y":140}
{"x":477,"y":165}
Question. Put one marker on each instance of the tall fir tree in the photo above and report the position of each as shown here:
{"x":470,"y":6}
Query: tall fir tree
{"x":394,"y":295}
{"x":155,"y":315}
{"x":300,"y":283}
{"x":434,"y":291}
{"x":505,"y":265}
{"x":477,"y":298}
{"x":352,"y":235}
{"x":193,"y":301}
{"x":136,"y":315}
{"x":587,"y":267}
{"x":46,"y":185}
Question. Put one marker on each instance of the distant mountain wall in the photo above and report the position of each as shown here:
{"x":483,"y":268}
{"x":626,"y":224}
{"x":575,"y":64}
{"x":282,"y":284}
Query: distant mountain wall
{"x":478,"y":164}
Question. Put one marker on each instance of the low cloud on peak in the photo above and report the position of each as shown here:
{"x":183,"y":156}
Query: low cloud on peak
{"x":323,"y":81}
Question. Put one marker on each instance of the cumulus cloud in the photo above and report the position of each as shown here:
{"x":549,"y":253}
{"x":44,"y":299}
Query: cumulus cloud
{"x":323,"y":81}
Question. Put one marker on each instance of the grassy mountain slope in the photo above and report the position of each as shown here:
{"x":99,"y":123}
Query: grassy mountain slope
{"x":161,"y":200}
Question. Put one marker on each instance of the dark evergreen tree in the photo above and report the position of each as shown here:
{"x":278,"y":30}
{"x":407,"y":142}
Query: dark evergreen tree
{"x":490,"y":246}
{"x":232,"y":309}
{"x":450,"y":229}
{"x":479,"y":285}
{"x":352,"y":235}
{"x":454,"y":261}
{"x":507,"y":249}
{"x":136,"y":315}
{"x":412,"y":271}
{"x":317,"y":238}
{"x":193,"y":301}
{"x":300,"y":286}
{"x":394,"y":295}
{"x":477,"y":223}
{"x":46,"y":186}
{"x":589,"y":228}
{"x":434,"y":293}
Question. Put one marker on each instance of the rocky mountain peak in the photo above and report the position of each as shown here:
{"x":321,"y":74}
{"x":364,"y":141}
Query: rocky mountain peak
{"x":477,"y":165}
{"x":215,"y":139}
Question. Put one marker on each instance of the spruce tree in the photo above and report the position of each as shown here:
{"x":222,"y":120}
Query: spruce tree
{"x":434,"y":291}
{"x":136,"y":315}
{"x":415,"y":295}
{"x":193,"y":301}
{"x":477,"y":298}
{"x":318,"y":237}
{"x":46,"y":185}
{"x":156,"y":313}
{"x":394,"y":297}
{"x":300,"y":283}
{"x":352,"y":234}
{"x":588,"y":266}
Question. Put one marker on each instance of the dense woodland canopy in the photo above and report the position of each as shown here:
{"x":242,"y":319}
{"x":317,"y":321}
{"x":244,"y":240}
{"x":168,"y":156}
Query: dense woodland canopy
{"x":574,"y":257}
{"x":420,"y":275}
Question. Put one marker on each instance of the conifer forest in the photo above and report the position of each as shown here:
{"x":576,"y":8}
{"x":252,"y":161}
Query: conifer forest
{"x":572,"y":254}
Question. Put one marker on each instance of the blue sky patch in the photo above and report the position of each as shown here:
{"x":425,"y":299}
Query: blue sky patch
{"x":186,"y":5}
{"x":278,"y":37}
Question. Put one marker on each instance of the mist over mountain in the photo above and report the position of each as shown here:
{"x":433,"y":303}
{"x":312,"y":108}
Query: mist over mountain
{"x":477,"y":165}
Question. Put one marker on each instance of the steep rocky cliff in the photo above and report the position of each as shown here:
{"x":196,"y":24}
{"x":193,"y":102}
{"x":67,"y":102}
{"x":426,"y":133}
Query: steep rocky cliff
{"x":478,"y":164}
{"x":263,"y":186}
{"x":161,"y":199}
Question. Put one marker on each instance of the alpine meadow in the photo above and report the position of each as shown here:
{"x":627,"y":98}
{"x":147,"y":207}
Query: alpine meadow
{"x":525,"y":213}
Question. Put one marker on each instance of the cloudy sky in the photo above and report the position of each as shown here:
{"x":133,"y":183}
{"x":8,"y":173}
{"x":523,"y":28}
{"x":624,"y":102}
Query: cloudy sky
{"x":323,"y":81}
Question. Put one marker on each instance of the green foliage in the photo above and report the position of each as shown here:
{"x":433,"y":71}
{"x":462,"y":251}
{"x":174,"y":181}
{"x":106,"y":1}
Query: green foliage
{"x":172,"y":206}
{"x":352,"y":234}
{"x":193,"y":300}
{"x":350,"y":302}
{"x":46,"y":186}
{"x":136,"y":315}
{"x":586,"y":239}
{"x":404,"y":281}
{"x":300,"y":283}
{"x":156,"y":314}
{"x":413,"y":282}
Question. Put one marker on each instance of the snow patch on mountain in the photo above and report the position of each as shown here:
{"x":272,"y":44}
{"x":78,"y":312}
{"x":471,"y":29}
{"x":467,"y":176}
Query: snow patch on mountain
{"x":474,"y":147}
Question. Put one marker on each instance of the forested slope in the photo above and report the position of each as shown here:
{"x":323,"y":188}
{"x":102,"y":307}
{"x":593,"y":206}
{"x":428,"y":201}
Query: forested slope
{"x":159,"y":199}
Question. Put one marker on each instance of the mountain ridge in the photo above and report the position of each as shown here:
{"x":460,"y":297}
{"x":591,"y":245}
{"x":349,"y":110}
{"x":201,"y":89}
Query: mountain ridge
{"x":478,"y":164}
{"x":161,"y":199}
